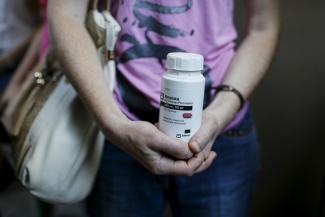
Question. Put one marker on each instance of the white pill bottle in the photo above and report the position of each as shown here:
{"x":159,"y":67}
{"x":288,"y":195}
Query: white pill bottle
{"x":182,"y":94}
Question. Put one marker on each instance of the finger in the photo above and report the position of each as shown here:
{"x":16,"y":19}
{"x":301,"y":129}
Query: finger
{"x":202,"y":137}
{"x":206,"y":151}
{"x":174,"y":147}
{"x":179,"y":167}
{"x":207,"y":163}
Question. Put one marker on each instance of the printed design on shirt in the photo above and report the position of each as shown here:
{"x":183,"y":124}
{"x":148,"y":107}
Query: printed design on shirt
{"x":150,"y":23}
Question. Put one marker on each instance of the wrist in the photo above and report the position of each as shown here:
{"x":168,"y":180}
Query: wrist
{"x":111,"y":121}
{"x":231,"y":89}
{"x":115,"y":127}
{"x":224,"y":107}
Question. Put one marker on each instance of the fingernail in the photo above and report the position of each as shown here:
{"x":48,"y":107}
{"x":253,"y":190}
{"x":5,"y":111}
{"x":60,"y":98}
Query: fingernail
{"x":195,"y":146}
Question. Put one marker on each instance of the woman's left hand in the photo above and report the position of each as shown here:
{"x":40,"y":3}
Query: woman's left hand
{"x":214,"y":119}
{"x":204,"y":138}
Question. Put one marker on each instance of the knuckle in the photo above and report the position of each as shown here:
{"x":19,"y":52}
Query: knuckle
{"x":146,"y":137}
{"x":189,"y":173}
{"x":185,"y":153}
{"x":147,"y":140}
{"x":188,"y":153}
{"x":206,"y":153}
{"x":152,"y":169}
{"x":155,"y":169}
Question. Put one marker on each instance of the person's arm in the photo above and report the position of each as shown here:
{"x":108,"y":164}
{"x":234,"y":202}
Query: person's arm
{"x":77,"y":55}
{"x":10,"y":57}
{"x":24,"y":69}
{"x":246,"y":70}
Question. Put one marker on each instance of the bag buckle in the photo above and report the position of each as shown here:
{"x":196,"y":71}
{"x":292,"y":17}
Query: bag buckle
{"x":39,"y":78}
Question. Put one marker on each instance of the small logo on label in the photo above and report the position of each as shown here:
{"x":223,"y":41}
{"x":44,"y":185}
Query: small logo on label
{"x":178,"y":135}
{"x":187,"y":115}
{"x":187,"y":131}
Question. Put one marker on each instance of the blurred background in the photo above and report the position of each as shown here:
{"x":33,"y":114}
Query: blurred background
{"x":289,"y":108}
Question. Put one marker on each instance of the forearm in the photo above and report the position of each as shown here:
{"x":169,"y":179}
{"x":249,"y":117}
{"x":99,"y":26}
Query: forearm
{"x":8,"y":58}
{"x":78,"y":56}
{"x":247,"y":69}
{"x":28,"y":62}
{"x":249,"y":64}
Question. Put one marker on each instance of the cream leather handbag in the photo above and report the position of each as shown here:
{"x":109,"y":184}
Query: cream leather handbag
{"x":56,"y":144}
{"x":59,"y":146}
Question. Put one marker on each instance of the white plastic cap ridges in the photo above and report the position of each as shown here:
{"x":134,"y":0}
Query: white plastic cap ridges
{"x":182,"y":61}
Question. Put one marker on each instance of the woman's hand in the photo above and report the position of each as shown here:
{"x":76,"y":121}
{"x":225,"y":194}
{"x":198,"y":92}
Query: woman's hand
{"x":157,"y":152}
{"x":214,"y":119}
{"x":143,"y":141}
{"x":204,"y":138}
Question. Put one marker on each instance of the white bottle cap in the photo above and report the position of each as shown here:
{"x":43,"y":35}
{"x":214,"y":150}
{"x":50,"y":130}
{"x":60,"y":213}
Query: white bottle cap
{"x":184,"y":61}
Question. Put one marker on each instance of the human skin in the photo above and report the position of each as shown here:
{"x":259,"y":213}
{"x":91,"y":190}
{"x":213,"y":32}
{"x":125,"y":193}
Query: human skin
{"x":24,"y":68}
{"x":142,"y":140}
{"x":11,"y":56}
{"x":245,"y":72}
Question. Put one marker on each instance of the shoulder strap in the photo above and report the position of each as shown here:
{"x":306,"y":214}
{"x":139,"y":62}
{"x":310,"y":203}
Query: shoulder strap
{"x":108,"y":5}
{"x":94,"y":5}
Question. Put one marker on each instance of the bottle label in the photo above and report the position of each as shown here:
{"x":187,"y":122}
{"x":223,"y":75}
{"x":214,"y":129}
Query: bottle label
{"x":180,"y":112}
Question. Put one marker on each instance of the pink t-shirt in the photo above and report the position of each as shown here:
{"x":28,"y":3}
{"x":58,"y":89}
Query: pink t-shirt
{"x":153,"y":28}
{"x":44,"y":43}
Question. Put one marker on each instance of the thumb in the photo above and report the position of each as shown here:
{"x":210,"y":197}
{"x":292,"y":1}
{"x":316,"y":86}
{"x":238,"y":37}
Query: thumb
{"x":171,"y":146}
{"x":203,"y":136}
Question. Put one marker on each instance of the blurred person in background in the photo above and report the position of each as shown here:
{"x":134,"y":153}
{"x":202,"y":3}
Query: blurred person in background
{"x":140,"y":165}
{"x":19,"y":20}
{"x":24,"y":43}
{"x":34,"y":56}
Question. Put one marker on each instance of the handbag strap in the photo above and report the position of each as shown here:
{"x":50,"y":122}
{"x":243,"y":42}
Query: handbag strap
{"x":104,"y":30}
{"x":95,"y":3}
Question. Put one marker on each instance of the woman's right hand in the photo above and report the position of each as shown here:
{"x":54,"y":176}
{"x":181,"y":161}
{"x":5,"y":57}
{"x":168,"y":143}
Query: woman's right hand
{"x":157,"y":152}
